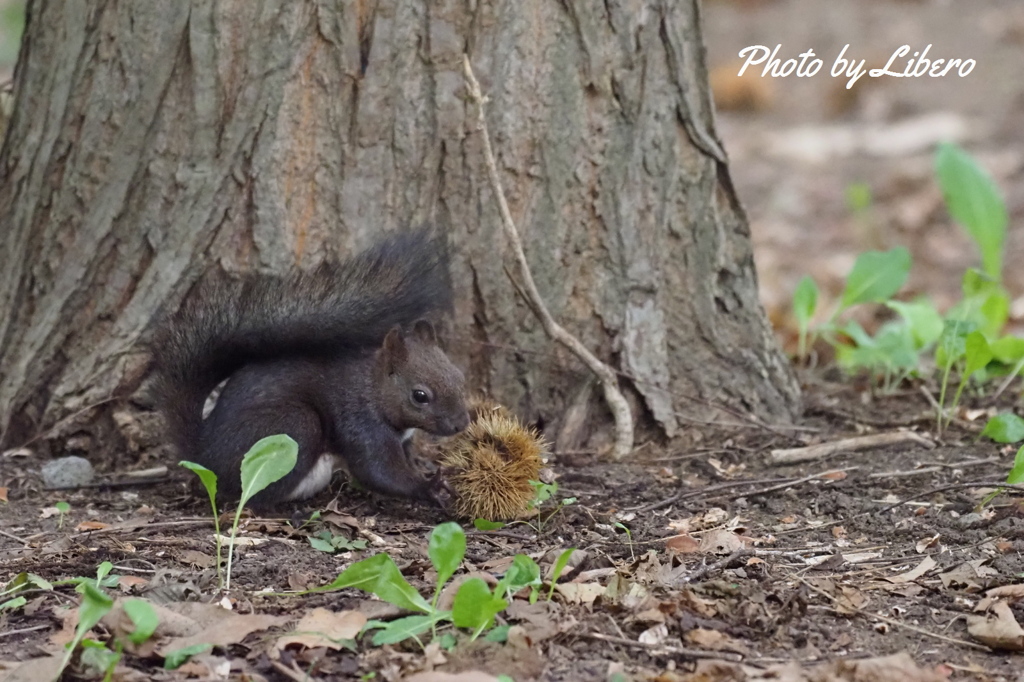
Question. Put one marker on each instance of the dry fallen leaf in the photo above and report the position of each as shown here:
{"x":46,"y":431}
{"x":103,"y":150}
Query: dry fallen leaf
{"x":3,"y":494}
{"x":321,"y":627}
{"x":997,"y":628}
{"x":913,"y":574}
{"x":925,"y":544}
{"x":969,"y":575}
{"x":1012,"y":593}
{"x":683,"y":544}
{"x":721,"y":542}
{"x":654,"y":635}
{"x":217,"y":626}
{"x":86,"y":526}
{"x":580,"y":593}
{"x":127,"y":583}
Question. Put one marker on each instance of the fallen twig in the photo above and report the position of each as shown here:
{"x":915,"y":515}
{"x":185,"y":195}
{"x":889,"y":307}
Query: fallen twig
{"x":820,"y":450}
{"x":702,"y":571}
{"x":609,"y":381}
{"x":952,"y":486}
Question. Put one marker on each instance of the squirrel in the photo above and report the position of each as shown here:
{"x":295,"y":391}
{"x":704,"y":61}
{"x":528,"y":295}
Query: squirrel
{"x":341,"y":358}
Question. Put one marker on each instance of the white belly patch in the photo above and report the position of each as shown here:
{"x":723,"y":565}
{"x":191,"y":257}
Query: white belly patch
{"x":318,"y":478}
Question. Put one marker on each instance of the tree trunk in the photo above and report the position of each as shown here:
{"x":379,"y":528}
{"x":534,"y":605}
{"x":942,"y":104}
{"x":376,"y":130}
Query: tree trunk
{"x":151,"y":141}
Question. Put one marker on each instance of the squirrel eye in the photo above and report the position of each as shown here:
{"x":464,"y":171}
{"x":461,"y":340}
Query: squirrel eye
{"x":420,"y":396}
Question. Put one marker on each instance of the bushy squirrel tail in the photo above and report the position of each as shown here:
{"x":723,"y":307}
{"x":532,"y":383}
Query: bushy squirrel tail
{"x":336,"y":307}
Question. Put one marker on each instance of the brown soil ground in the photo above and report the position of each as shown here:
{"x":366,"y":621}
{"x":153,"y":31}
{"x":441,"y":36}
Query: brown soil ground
{"x":804,"y":562}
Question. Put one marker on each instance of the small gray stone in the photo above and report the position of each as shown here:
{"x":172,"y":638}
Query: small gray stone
{"x":67,"y":472}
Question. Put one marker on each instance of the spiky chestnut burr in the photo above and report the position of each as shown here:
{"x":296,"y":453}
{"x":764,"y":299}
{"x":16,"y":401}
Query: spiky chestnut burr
{"x":491,"y":463}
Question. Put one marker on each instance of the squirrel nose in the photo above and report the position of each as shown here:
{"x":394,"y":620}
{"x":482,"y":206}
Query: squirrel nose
{"x":460,"y":423}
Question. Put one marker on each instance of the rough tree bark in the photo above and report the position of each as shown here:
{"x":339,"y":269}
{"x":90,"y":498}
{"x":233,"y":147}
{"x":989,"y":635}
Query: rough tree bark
{"x":151,"y":141}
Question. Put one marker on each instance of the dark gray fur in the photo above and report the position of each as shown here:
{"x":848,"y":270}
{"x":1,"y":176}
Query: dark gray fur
{"x":330,"y":357}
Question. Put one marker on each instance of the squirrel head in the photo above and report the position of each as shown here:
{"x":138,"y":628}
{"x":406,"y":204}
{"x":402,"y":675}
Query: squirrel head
{"x":420,"y":387}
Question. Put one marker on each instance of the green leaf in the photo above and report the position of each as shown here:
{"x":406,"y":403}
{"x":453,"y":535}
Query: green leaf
{"x":876,"y":276}
{"x":498,"y":635}
{"x":176,"y":658}
{"x":974,"y":201}
{"x":994,"y":311}
{"x":524,"y":572}
{"x":143,"y":616}
{"x":560,"y":564}
{"x":474,"y":606}
{"x":1005,"y":428}
{"x":12,"y":604}
{"x":39,"y":582}
{"x":379,"y":575}
{"x":1017,"y":473}
{"x":953,"y":341}
{"x":322,"y":545}
{"x":542,"y":492}
{"x":103,"y":570}
{"x":448,"y":641}
{"x":268,"y":461}
{"x":922,"y":319}
{"x":485,"y":525}
{"x":446,"y":549}
{"x":805,"y":301}
{"x":404,"y":628}
{"x":977,"y":352}
{"x":95,"y":604}
{"x":97,"y":657}
{"x":62,"y":507}
{"x":206,"y":477}
{"x":1009,"y":350}
{"x":505,"y":678}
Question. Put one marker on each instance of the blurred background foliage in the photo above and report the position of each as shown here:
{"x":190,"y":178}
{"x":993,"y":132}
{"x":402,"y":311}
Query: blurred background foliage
{"x":12,"y":23}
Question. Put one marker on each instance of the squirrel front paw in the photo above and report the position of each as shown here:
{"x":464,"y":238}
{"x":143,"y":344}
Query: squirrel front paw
{"x":440,"y":492}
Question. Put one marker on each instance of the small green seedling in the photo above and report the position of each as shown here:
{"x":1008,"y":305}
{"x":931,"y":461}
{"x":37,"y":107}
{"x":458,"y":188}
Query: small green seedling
{"x":474,"y":606}
{"x":95,"y":604}
{"x":629,"y":539}
{"x":542,"y":493}
{"x":21,"y":583}
{"x":325,"y":541}
{"x":209,"y":481}
{"x":63,"y":508}
{"x":556,"y":572}
{"x":269,"y":460}
{"x":97,"y":656}
{"x":974,"y":201}
{"x":805,"y":302}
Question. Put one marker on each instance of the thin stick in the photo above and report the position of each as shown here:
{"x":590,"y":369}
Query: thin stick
{"x":954,"y":486}
{"x":11,"y":633}
{"x":13,"y":537}
{"x":812,"y":452}
{"x":609,"y":382}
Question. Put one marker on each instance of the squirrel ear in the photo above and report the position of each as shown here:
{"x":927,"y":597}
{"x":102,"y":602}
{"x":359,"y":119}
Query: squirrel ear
{"x":424,"y":331}
{"x":394,"y":351}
